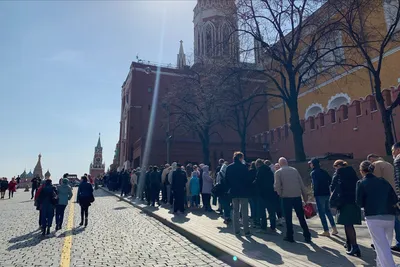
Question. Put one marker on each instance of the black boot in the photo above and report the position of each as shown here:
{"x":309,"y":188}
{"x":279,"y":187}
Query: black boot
{"x":355,"y":251}
{"x":86,"y":222}
{"x":81,"y":223}
{"x":48,"y":230}
{"x":43,"y":231}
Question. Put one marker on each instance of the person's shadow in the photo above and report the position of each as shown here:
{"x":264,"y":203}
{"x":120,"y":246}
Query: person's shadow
{"x":74,"y":231}
{"x":255,"y":250}
{"x":180,"y":218}
{"x":29,"y":240}
{"x":321,"y":257}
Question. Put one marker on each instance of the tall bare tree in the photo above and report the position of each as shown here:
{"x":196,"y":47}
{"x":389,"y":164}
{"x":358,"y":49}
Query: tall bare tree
{"x":236,"y":86}
{"x":372,"y":28}
{"x":290,"y":40}
{"x":194,"y":106}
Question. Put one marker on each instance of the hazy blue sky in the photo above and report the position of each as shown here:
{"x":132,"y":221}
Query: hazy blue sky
{"x":62,"y":64}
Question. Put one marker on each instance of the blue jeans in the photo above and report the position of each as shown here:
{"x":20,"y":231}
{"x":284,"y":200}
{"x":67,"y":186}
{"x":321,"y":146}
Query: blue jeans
{"x":324,"y":211}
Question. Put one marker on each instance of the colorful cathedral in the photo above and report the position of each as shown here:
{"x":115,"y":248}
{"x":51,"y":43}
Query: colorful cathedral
{"x":37,"y":172}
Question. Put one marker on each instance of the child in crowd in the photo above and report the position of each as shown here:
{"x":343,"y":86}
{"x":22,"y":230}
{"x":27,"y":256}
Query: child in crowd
{"x":194,"y":187}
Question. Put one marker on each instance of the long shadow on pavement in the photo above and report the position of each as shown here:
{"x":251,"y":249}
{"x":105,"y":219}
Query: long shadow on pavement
{"x":74,"y":231}
{"x":259,"y":251}
{"x":320,"y":256}
{"x":23,"y":237}
{"x":29,"y":240}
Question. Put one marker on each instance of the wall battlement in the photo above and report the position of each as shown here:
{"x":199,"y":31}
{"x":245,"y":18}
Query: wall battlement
{"x":354,"y":128}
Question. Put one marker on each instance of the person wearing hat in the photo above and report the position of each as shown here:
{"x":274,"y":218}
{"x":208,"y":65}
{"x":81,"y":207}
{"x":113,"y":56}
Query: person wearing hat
{"x":321,"y":182}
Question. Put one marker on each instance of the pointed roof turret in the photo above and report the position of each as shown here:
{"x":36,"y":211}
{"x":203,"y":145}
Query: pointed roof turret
{"x":181,"y":59}
{"x":37,"y":171}
{"x":47,"y":174}
{"x":98,"y":142}
{"x":23,"y":175}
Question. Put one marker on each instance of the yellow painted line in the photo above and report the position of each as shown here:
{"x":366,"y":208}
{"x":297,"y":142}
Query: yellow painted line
{"x":66,"y":250}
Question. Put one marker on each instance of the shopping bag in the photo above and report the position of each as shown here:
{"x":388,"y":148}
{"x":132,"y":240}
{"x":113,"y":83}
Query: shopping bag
{"x":309,"y":211}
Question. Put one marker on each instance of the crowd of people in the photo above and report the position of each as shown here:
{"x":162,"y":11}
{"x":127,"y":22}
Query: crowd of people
{"x":279,"y":189}
{"x":51,"y":200}
{"x":10,"y":186}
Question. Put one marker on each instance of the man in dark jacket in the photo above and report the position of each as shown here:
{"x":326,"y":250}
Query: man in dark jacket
{"x":238,"y":183}
{"x":155,"y":182}
{"x":147,"y":185}
{"x":35,"y":185}
{"x":266,"y":195}
{"x":321,"y":181}
{"x":178,"y":186}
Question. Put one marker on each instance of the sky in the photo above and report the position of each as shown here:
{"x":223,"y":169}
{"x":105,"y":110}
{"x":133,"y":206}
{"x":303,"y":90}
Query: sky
{"x":62,"y":65}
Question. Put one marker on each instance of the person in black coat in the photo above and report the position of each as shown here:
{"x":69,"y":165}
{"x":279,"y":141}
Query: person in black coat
{"x":266,"y":195}
{"x":239,"y":187}
{"x":178,"y":186}
{"x":349,"y":213}
{"x":47,"y":201}
{"x":85,"y":198}
{"x":155,"y":183}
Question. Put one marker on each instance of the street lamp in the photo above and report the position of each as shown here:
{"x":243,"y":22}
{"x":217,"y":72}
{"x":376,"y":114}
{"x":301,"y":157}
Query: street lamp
{"x":168,"y":136}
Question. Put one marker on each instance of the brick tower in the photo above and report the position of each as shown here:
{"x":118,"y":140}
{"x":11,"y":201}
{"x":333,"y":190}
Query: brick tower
{"x":97,"y":167}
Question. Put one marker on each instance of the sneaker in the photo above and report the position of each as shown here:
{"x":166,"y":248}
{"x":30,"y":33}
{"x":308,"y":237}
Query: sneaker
{"x":334,"y":231}
{"x":325,"y":233}
{"x":396,"y":248}
{"x":291,"y":240}
{"x":247,"y":234}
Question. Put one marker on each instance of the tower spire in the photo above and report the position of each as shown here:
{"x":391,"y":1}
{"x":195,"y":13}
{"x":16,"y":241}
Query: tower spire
{"x":181,"y":59}
{"x":98,"y":142}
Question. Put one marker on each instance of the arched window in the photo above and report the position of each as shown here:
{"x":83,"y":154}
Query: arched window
{"x":226,"y":36}
{"x":209,"y":46}
{"x":313,"y":110}
{"x":337,"y":100}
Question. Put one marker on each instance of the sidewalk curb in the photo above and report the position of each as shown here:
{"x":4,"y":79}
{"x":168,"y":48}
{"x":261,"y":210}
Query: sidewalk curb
{"x":214,"y":250}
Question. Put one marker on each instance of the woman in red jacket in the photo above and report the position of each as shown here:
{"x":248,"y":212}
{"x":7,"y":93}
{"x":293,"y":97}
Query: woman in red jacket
{"x":12,"y":187}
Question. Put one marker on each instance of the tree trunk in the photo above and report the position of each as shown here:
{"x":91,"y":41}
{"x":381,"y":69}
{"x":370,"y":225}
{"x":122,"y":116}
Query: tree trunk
{"x":297,"y":131}
{"x":205,"y":142}
{"x":386,"y":117}
{"x":243,"y":144}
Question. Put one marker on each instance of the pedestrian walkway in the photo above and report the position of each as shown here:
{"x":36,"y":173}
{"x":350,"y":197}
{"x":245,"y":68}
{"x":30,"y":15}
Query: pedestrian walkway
{"x":209,"y":231}
{"x":117,"y":235}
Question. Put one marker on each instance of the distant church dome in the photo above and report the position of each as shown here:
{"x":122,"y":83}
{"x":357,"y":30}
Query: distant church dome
{"x":29,"y":175}
{"x":23,"y":175}
{"x":47,"y":174}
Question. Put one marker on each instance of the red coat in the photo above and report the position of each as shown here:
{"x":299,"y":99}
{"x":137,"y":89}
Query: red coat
{"x":12,"y":186}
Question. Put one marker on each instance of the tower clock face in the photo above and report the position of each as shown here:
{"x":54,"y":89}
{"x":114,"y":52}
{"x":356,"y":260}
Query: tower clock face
{"x":98,"y":160}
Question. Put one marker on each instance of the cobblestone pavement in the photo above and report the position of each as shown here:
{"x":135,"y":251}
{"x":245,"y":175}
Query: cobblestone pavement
{"x":117,"y":235}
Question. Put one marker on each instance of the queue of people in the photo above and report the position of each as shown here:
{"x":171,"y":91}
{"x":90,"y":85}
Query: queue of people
{"x":279,"y":190}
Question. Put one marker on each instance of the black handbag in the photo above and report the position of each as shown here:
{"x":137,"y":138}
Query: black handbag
{"x":91,"y":199}
{"x":335,"y":201}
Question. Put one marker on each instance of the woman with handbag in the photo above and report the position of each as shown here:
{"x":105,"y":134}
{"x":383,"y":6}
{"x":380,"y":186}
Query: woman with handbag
{"x":47,"y":201}
{"x":85,"y":198}
{"x":343,"y":198}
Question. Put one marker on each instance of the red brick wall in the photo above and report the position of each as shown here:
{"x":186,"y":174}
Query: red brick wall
{"x":360,"y":132}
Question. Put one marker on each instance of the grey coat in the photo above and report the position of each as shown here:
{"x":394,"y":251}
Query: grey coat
{"x":64,"y":194}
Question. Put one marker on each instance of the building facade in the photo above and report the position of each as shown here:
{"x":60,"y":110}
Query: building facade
{"x":339,"y":112}
{"x":213,"y":22}
{"x":97,"y":167}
